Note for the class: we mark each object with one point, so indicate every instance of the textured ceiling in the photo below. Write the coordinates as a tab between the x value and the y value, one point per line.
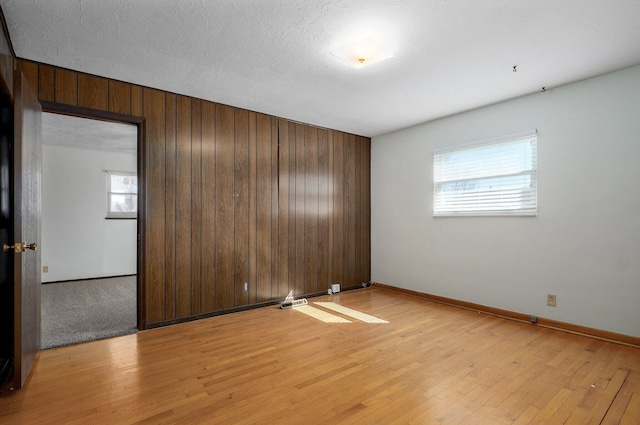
274	56
82	133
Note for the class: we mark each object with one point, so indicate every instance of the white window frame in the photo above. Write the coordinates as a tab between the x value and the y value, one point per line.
503	164
119	214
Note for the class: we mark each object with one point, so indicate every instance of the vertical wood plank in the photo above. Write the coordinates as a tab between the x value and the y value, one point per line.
120	97
93	92
170	205
293	272
196	202
283	208
66	87
311	210
253	208
299	246
136	101
331	213
241	206
208	206
46	86
358	224
351	212
224	230
273	181
339	223
324	197
30	71
264	207
154	110
183	207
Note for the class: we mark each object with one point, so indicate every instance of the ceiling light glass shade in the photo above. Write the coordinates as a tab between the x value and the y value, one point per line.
362	53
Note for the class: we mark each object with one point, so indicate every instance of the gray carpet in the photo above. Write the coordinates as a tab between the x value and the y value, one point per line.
86	310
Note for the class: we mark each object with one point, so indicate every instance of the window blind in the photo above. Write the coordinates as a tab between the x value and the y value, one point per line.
491	177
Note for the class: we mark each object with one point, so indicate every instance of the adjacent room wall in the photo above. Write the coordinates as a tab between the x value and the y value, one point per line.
77	241
584	245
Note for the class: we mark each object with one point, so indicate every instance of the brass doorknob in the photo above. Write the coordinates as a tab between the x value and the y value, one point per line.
19	247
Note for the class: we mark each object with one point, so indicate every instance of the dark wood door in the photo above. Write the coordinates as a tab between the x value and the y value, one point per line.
6	234
27	167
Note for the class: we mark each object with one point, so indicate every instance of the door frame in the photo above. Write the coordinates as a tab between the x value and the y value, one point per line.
140	123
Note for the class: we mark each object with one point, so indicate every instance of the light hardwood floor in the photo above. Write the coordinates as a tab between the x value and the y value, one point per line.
430	364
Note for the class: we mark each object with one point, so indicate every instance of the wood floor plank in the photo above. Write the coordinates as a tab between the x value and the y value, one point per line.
624	409
431	364
632	413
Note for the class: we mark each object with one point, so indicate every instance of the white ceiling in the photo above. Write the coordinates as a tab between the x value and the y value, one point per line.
273	56
82	133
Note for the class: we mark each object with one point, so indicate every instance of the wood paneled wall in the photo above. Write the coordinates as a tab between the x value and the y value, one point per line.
233	197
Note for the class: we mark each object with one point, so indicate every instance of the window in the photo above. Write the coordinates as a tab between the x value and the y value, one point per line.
492	177
122	194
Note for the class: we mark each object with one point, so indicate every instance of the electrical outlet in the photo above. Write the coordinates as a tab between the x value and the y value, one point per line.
551	300
45	269
246	286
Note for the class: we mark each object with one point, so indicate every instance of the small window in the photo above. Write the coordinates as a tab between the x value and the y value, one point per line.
492	177
122	194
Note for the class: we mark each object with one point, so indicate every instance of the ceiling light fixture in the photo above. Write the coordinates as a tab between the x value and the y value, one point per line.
363	53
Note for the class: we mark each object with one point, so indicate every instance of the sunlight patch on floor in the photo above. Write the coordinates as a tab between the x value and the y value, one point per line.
321	315
350	312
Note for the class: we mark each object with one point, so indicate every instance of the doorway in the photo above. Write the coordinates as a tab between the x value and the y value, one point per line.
89	258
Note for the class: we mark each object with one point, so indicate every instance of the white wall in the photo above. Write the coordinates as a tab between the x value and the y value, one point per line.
584	245
77	241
